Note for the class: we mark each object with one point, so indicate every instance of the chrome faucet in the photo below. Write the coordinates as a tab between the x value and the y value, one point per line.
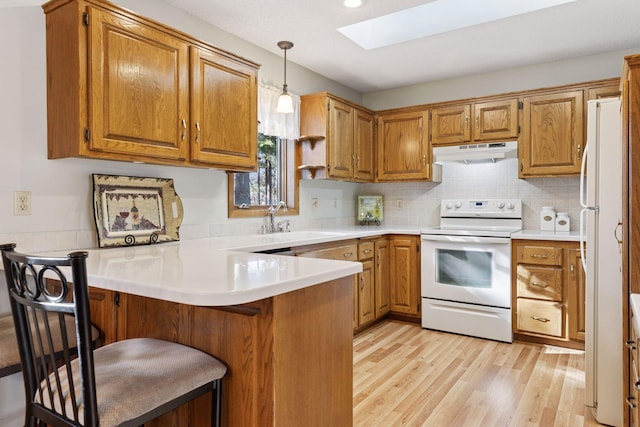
272	213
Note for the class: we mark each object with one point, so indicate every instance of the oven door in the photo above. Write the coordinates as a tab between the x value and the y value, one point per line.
468	269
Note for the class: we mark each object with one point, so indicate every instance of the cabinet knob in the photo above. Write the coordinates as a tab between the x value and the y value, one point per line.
630	344
631	401
197	132
184	129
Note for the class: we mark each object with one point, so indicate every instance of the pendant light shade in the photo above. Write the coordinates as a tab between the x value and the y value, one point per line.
285	102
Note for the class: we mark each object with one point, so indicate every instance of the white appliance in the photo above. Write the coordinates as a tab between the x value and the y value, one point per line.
601	200
466	268
470	152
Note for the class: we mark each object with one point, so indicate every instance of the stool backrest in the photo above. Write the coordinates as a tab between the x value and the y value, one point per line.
40	287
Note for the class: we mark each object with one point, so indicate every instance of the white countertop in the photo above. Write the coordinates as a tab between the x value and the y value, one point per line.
570	236
223	270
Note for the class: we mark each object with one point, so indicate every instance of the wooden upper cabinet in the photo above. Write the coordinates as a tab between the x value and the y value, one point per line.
552	139
341	131
480	121
337	139
451	124
363	146
123	87
403	148
606	91
219	86
138	89
495	120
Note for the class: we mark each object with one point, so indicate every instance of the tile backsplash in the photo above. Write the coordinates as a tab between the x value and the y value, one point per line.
421	201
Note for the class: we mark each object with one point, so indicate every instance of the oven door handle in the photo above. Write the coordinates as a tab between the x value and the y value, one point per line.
466	239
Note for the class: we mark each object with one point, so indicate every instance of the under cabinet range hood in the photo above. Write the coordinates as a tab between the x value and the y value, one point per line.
485	151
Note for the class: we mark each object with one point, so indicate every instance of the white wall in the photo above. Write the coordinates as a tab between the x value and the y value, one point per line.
575	70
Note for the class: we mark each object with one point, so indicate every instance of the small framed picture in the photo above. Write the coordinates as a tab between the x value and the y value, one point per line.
135	210
370	209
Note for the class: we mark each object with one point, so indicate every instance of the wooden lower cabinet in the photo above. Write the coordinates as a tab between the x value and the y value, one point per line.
404	272
381	278
634	376
548	285
276	374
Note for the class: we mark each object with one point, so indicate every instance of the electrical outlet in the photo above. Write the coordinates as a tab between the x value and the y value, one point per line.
22	203
399	203
314	202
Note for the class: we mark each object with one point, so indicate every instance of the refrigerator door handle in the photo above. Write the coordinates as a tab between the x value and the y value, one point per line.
615	234
583	176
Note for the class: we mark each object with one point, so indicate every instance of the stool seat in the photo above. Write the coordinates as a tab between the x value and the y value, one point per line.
9	355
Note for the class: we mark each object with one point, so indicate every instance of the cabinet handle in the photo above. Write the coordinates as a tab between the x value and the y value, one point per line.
631	401
539	285
541	319
184	129
636	385
361	283
366	251
579	151
615	233
348	254
477	121
630	344
466	121
541	256
197	132
424	159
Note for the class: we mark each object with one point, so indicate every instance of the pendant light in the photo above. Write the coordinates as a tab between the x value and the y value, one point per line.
285	103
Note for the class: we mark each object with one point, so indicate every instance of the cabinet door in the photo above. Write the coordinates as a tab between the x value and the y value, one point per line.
138	85
224	112
381	277
366	301
340	148
404	273
403	151
363	146
576	296
552	135
495	120
451	124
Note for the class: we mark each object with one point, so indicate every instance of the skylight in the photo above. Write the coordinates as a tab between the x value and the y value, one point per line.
436	17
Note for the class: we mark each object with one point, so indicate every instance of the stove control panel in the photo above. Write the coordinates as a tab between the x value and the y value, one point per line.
484	208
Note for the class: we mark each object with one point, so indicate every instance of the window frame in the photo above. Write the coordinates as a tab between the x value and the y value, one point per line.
291	186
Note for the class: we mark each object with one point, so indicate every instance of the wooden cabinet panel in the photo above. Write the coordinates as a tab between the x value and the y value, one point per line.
340	148
539	282
363	146
576	296
607	91
403	149
451	124
346	252
404	270
366	296
552	139
545	255
223	111
495	120
381	278
139	89
540	317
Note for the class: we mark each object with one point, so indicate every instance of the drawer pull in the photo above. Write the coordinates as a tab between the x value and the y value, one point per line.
630	344
348	254
636	385
631	401
541	256
539	285
366	251
541	319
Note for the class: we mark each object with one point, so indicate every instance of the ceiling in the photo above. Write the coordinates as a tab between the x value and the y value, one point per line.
581	28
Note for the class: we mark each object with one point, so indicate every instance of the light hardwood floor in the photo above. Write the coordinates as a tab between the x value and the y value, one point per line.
408	376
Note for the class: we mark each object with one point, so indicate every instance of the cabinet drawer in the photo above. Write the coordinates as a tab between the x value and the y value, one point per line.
539	282
540	317
344	252
543	255
365	250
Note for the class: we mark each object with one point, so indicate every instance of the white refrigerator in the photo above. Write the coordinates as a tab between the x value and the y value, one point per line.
600	226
